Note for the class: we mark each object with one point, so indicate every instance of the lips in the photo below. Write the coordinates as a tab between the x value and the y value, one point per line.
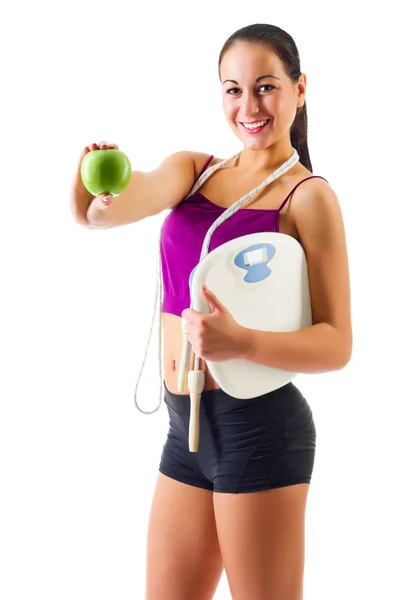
256	129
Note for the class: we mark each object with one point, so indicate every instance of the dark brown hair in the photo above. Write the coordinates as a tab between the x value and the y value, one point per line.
280	42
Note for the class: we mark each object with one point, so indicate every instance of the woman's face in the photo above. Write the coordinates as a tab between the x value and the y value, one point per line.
259	100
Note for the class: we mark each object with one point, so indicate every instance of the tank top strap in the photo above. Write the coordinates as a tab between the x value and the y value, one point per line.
299	183
206	165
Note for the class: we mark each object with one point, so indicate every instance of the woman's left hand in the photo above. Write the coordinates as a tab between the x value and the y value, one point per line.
216	337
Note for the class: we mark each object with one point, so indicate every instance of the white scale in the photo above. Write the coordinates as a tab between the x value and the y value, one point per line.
262	280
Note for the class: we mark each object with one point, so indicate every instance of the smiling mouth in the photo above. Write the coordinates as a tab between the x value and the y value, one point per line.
256	126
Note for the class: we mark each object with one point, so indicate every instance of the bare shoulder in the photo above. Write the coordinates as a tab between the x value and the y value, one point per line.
315	208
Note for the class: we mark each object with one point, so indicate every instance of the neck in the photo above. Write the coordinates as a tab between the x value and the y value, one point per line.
269	159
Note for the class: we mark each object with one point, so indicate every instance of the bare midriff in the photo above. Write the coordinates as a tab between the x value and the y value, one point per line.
172	334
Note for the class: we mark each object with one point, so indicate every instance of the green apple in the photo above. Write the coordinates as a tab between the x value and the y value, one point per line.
105	172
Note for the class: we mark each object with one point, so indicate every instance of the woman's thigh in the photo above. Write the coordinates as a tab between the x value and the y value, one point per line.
184	561
261	537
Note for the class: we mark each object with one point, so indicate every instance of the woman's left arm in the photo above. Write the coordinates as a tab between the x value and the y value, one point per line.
327	344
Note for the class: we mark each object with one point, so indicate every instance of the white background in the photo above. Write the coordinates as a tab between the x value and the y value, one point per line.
78	462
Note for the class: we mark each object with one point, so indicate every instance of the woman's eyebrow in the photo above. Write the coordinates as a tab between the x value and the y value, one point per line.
257	79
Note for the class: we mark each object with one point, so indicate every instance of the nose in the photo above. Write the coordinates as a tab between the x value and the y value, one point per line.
249	105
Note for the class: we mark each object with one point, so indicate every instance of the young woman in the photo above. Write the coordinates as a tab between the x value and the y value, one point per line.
239	503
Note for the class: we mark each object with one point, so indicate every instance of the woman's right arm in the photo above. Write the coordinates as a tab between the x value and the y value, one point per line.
147	194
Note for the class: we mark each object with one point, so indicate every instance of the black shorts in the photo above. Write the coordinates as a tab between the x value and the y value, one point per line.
245	445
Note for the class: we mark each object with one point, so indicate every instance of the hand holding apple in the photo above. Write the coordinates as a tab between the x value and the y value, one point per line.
84	193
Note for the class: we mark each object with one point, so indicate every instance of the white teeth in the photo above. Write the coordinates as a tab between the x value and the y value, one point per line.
255	125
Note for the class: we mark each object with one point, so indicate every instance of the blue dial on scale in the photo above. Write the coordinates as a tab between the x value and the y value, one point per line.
255	260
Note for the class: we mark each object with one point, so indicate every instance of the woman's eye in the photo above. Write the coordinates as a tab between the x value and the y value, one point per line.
270	87
232	90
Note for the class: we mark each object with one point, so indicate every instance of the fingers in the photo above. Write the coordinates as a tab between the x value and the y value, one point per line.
96	214
106	199
193	321
188	314
102	146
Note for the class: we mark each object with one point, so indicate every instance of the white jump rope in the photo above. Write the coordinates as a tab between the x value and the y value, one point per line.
196	377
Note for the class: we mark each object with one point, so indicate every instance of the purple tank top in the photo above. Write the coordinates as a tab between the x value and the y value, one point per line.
184	231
